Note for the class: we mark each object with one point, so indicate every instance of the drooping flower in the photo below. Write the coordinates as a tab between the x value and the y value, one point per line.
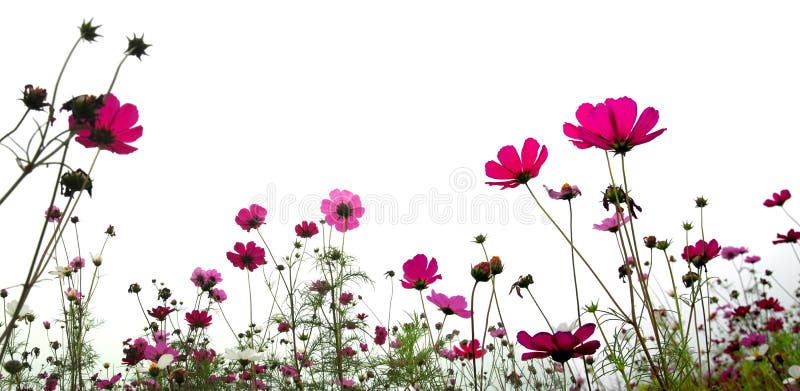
251	218
612	125
612	224
778	198
701	252
567	192
514	169
250	256
456	305
160	312
418	273
198	319
306	229
113	128
469	350
342	210
561	346
791	237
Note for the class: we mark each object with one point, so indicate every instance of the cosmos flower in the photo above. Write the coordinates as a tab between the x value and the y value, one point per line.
251	218
342	210
418	273
561	346
456	305
248	256
514	169
778	198
113	127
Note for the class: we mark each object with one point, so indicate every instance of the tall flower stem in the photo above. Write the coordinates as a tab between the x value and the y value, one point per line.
789	216
472	328
427	322
575	284
250	326
549	326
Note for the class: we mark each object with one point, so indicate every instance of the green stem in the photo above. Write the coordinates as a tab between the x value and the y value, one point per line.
472	328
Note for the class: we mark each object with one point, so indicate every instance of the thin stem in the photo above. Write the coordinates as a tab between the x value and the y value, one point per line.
789	216
552	330
472	329
116	73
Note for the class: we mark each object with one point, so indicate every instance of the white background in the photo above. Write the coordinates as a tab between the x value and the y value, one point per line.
403	103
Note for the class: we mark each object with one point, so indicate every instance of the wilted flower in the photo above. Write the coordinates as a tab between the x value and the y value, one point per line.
75	181
522	283
34	98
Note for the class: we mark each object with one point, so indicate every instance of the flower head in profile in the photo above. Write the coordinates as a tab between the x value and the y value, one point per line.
108	384
306	229
469	350
514	169
701	252
113	128
612	126
456	305
251	217
791	237
778	199
731	252
53	214
248	256
342	210
752	259
218	295
418	273
160	312
612	224
561	346
198	319
567	192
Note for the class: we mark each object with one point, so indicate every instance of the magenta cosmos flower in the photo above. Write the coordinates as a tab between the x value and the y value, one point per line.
306	229
514	169
342	210
250	256
113	129
612	224
198	319
791	237
469	350
418	273
108	384
561	346
701	252
567	192
778	199
252	217
612	125
456	305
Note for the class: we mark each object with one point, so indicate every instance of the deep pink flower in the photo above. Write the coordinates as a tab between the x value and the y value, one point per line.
514	169
778	199
418	273
113	128
134	353
469	350
342	210
218	295
77	263
252	217
567	192
205	279
741	311
612	224
701	252
250	256
561	346
322	287
791	237
53	214
73	295
288	371
306	229
108	384
345	298
774	324
769	303
198	319
204	356
612	125
731	252
154	353
380	335
283	327
450	305
363	346
753	340
498	333
160	312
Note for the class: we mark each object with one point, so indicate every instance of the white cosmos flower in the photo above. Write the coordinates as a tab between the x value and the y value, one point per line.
11	306
61	271
243	355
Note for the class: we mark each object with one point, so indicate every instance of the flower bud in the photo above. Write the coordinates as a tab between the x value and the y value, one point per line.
480	239
34	98
663	244
134	288
700	202
84	109
88	32
97	260
75	181
496	265
3	293
650	241
137	47
481	272
690	278
13	366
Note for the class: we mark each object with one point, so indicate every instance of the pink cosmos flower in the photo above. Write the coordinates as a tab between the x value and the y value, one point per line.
113	128
306	229
342	210
108	384
561	346
778	198
345	298
731	252
283	327
73	295
252	217
701	252
288	371
769	303
198	319
752	259
418	273
469	350
77	263
567	192
791	237
380	335
154	353
53	214
612	126
218	295
753	340
498	333
612	224
514	169
160	312
450	305
205	279
250	256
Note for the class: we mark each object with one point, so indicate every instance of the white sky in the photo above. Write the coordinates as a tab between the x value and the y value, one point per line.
403	103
